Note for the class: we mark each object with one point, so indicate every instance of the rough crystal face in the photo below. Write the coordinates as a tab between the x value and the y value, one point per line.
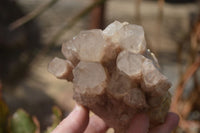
89	78
132	38
113	75
157	113
130	64
135	98
153	81
128	36
61	68
119	85
70	50
86	46
111	31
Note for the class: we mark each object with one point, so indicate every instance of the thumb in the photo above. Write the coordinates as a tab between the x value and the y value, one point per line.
139	124
76	121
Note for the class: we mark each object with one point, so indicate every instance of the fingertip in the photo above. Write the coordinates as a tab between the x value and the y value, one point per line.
139	124
172	120
96	125
75	122
173	116
79	107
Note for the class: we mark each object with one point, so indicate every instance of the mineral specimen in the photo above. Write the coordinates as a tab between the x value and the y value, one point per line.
113	76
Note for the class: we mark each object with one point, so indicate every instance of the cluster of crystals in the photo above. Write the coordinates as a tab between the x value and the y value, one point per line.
113	75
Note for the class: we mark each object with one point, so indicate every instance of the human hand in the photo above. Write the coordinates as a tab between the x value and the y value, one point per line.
78	122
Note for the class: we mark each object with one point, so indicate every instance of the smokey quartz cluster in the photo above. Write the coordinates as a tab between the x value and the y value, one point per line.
114	75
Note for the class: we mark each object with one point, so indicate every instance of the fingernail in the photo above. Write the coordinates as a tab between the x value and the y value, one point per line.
78	107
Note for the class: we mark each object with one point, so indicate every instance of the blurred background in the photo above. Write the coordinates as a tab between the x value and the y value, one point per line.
31	34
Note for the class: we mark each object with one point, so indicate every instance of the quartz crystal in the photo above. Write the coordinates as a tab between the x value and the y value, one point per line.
130	64
61	68
130	37
153	81
89	78
113	76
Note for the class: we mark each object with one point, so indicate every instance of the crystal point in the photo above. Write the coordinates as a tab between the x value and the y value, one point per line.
61	68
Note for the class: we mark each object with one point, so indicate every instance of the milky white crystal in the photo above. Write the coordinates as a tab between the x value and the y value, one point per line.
113	28
130	37
130	64
61	68
86	46
89	77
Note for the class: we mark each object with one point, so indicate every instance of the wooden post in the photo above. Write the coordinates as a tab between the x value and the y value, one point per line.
97	17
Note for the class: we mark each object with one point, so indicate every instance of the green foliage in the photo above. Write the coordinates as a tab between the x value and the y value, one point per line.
3	116
21	122
57	116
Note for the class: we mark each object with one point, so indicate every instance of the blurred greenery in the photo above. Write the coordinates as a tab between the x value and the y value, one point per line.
21	122
57	116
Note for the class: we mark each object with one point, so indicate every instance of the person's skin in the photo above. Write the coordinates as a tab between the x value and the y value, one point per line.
78	121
